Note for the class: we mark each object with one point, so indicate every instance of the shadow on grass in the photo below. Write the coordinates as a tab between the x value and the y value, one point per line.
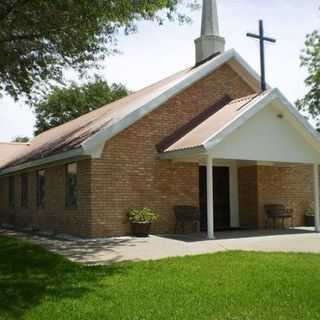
105	251
29	273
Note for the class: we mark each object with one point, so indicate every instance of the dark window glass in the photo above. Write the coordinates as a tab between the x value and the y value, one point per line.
71	185
24	190
12	192
40	188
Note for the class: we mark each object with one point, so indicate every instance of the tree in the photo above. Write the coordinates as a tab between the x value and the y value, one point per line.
310	59
38	38
21	139
65	104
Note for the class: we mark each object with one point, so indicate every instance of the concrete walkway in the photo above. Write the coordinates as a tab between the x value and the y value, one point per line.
110	250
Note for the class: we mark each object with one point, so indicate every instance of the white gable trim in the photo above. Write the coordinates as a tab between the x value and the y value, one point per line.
299	117
91	144
253	108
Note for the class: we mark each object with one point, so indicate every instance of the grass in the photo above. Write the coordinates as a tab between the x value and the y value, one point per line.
36	284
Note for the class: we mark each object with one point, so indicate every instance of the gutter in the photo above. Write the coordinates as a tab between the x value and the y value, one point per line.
183	153
79	152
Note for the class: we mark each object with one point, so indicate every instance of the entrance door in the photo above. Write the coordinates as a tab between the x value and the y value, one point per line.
221	197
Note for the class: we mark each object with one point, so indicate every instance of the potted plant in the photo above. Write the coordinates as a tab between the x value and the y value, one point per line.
141	220
309	217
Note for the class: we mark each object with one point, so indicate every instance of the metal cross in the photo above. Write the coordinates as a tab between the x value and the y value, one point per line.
262	39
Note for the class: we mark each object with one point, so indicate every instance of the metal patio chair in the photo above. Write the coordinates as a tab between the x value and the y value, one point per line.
276	212
187	215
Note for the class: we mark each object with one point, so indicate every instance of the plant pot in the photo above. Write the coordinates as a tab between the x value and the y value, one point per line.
309	220
140	229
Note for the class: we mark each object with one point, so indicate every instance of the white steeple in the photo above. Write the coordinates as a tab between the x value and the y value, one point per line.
210	42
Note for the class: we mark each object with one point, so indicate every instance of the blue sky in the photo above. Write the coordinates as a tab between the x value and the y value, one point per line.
158	51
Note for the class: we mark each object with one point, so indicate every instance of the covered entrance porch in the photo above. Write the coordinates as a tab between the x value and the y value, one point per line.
252	153
241	190
253	185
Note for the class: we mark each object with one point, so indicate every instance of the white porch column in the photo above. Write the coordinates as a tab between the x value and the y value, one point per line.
210	220
316	197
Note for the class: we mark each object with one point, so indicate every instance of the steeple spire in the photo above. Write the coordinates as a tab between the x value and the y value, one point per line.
209	23
210	41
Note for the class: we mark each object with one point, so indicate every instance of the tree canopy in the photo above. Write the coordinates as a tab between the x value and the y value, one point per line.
67	103
310	59
38	39
21	139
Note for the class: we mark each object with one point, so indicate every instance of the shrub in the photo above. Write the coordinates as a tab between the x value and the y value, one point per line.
144	215
310	210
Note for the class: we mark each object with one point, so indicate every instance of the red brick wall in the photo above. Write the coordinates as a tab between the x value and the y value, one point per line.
291	186
260	185
55	216
248	196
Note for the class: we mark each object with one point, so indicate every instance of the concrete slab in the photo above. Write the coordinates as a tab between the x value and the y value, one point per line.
110	250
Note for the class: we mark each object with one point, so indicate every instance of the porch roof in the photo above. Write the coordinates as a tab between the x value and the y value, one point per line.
198	135
260	135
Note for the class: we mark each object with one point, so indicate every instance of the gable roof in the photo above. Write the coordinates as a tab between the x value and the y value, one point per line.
82	136
218	126
10	150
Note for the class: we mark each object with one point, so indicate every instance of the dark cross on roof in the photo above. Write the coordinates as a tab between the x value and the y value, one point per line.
262	39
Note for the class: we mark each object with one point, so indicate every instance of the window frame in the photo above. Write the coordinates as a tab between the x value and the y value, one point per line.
41	189
12	192
71	195
24	183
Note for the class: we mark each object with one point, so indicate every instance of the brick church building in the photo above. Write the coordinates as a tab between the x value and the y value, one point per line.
206	136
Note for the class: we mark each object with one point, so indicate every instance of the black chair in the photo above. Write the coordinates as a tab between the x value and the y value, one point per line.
187	215
276	212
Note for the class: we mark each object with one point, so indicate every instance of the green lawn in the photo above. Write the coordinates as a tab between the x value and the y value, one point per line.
35	284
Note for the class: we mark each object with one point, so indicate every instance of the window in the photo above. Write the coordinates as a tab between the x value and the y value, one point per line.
40	188
24	190
12	192
71	185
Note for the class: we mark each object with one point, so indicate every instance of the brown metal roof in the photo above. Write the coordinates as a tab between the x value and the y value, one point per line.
209	127
182	131
11	151
70	135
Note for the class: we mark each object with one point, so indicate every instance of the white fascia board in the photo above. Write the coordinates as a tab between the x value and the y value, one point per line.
252	108
91	144
184	153
36	163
